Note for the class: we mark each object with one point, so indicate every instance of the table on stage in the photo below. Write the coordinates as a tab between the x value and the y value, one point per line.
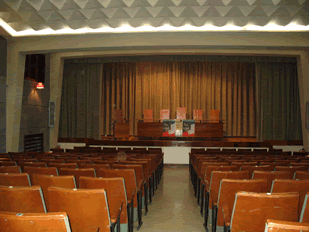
207	128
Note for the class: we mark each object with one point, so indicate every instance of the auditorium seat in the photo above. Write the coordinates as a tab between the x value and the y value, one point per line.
148	174
54	161
35	222
228	189
46	159
116	195
10	169
86	208
291	169
271	175
300	186
251	210
46	181
62	165
131	187
109	162
199	174
77	173
240	163
78	162
15	179
22	199
301	175
211	194
96	167
251	169
25	159
31	164
8	163
41	170
141	182
285	226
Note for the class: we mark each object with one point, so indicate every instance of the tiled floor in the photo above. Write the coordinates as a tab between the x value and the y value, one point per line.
174	207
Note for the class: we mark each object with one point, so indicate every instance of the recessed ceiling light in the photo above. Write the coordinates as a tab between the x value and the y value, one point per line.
126	28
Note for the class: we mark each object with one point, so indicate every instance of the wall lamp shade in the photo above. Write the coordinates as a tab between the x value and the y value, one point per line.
40	85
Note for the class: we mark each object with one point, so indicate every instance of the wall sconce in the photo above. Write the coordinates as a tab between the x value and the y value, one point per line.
40	85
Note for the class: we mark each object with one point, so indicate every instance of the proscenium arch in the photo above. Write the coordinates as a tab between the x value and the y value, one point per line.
84	46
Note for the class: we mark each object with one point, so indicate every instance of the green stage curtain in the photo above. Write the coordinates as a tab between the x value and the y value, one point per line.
80	101
225	86
278	111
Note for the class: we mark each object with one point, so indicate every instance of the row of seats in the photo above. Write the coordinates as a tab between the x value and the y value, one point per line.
121	189
228	186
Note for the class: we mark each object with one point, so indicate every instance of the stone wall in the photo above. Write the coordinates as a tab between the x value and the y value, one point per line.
34	112
3	74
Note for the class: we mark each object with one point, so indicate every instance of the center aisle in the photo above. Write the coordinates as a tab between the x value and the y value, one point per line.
174	207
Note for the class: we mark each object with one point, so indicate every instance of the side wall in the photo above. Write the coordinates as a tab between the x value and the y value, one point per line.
3	74
34	112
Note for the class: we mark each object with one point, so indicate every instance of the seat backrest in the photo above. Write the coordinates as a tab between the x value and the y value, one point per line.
22	199
251	169
271	175
285	226
96	167
10	169
291	169
85	207
145	165
256	208
8	163
301	175
127	174
31	164
228	189
210	169
78	162
77	173
304	216
46	181
202	166
62	165
40	170
217	176
110	163
138	170
115	188
34	222
15	179
300	186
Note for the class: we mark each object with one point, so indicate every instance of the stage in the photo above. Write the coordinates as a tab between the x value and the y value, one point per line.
177	152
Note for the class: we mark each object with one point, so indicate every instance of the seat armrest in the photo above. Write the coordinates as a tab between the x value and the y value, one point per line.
130	196
115	213
226	214
214	198
140	185
205	182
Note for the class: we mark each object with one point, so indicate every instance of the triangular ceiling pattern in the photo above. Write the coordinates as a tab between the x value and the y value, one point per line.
76	14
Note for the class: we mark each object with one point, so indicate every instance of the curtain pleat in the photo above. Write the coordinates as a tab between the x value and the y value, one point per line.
279	107
255	99
225	86
80	101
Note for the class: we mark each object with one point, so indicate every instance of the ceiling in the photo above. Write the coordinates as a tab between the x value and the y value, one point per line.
44	17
